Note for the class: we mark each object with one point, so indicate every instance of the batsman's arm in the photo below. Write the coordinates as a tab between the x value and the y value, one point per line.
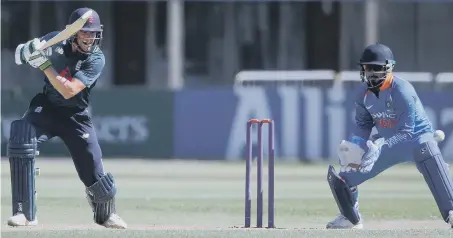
66	88
89	72
49	36
404	99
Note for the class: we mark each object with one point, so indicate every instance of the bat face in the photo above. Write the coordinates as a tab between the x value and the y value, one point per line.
68	32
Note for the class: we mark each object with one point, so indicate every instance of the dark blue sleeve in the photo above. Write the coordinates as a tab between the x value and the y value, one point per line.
90	70
49	36
363	120
404	99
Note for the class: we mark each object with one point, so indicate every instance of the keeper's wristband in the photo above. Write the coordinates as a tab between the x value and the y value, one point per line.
46	65
358	141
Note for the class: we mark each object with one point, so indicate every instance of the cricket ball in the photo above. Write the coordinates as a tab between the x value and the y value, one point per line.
439	135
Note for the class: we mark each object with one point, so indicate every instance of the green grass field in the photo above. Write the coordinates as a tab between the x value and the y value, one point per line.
206	199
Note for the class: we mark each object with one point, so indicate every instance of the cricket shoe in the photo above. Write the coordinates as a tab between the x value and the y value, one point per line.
341	222
115	222
20	220
450	218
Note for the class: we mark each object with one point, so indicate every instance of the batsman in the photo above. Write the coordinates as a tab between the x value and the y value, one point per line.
71	69
405	134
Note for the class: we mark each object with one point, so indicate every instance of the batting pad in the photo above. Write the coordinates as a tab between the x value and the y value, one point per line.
101	196
22	148
437	175
343	196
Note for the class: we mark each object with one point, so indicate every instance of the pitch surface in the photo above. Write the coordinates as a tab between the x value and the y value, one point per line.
206	199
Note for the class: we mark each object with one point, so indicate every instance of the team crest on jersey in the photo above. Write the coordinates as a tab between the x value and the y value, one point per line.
78	65
59	50
66	73
389	102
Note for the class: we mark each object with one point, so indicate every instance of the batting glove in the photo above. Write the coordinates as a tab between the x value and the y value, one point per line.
35	58
19	55
23	52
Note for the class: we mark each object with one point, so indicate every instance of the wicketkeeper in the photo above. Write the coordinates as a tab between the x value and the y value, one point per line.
405	133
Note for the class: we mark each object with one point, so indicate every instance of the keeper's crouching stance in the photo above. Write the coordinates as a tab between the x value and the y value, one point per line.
404	134
71	68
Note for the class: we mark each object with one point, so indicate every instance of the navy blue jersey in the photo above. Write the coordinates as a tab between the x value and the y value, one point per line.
397	113
87	68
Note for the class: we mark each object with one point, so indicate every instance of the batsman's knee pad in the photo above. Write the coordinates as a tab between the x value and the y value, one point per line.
437	175
343	196
22	149
101	196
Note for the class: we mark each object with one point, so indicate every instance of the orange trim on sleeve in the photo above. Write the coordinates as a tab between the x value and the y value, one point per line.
387	83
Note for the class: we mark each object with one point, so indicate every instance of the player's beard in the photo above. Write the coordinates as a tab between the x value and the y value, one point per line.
375	79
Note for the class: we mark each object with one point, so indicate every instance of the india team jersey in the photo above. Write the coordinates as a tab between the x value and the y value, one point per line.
396	112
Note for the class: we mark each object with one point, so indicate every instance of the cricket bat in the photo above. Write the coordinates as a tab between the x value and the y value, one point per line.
68	32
